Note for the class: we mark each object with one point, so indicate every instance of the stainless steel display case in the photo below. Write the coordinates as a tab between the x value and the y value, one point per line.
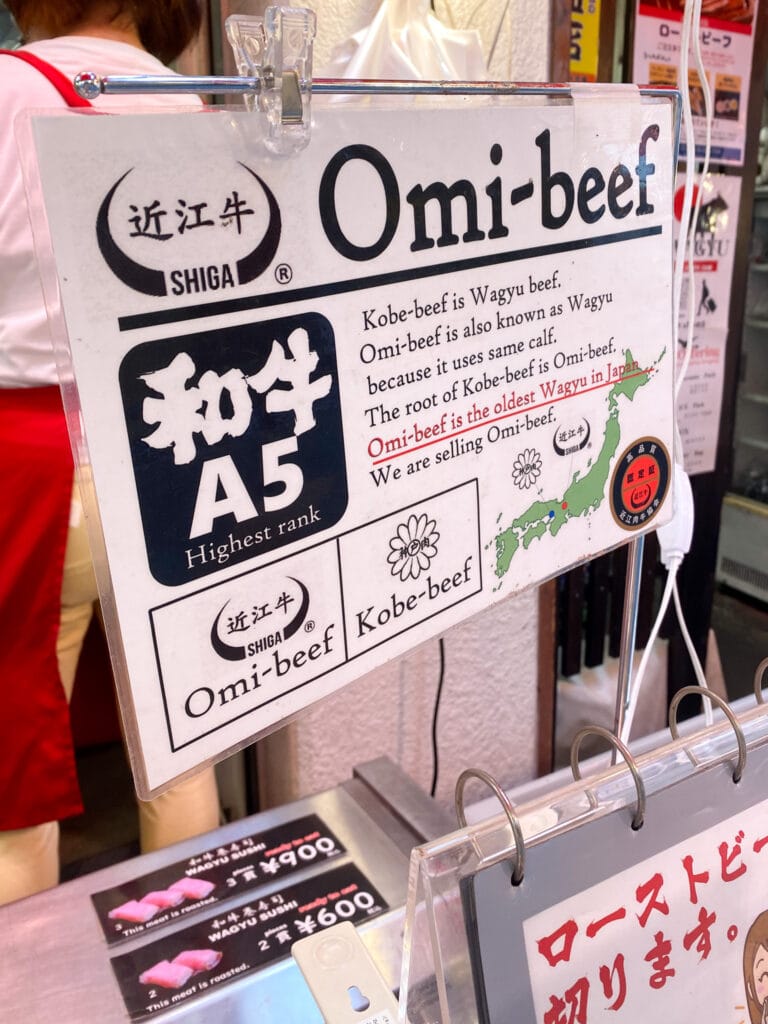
55	962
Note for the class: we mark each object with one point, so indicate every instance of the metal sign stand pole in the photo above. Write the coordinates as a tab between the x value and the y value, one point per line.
628	634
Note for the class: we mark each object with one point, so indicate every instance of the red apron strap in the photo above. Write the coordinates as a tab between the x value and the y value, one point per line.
57	78
38	778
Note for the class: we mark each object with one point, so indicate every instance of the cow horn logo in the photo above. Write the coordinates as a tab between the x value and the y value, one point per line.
238	652
578	436
150	281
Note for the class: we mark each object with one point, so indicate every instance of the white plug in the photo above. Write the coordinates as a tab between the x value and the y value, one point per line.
675	537
343	977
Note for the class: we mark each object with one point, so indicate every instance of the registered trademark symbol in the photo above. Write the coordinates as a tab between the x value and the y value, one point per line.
283	273
309	626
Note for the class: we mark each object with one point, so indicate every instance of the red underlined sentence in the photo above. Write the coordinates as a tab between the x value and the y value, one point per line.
505	416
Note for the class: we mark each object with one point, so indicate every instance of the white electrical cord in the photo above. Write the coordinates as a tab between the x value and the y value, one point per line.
631	708
687	241
675	542
698	669
690	147
687	244
675	537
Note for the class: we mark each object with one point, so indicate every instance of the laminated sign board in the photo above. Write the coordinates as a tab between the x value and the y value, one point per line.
665	923
336	402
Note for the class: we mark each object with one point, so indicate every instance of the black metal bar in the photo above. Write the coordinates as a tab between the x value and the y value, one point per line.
572	621
618	576
597	596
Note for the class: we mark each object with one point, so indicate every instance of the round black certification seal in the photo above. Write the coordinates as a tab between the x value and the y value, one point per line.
640	483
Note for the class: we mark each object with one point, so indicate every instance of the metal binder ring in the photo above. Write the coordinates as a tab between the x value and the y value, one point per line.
759	671
509	809
700	691
598	730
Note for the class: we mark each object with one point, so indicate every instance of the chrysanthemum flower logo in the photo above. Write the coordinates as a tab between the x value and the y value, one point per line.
526	469
413	547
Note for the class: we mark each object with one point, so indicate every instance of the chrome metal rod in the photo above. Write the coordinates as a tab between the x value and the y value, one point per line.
89	84
142	84
385	87
628	633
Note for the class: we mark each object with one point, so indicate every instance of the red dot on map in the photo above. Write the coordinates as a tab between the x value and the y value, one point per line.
564	505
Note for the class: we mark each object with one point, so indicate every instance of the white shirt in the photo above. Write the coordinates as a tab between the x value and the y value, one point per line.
26	352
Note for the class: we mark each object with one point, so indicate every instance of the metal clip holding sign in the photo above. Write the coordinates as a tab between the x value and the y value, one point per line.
274	57
283	40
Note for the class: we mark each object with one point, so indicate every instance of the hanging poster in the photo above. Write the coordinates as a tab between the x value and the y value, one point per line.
714	247
336	402
585	40
701	399
714	244
727	41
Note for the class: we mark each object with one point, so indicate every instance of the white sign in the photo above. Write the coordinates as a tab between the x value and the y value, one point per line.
701	400
338	402
714	246
681	935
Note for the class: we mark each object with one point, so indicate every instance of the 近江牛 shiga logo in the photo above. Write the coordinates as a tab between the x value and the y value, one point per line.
192	239
236	442
264	621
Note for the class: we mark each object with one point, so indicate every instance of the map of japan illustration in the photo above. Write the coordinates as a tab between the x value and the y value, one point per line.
585	493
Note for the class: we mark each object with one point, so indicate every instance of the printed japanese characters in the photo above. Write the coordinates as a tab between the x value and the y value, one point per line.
229	456
679	923
183	966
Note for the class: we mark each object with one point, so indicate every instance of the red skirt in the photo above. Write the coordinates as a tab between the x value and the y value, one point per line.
38	779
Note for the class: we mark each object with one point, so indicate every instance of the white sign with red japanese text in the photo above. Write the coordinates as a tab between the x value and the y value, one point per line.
701	399
681	936
668	922
338	402
727	41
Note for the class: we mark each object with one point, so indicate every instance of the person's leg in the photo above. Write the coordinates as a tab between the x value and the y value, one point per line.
29	861
187	809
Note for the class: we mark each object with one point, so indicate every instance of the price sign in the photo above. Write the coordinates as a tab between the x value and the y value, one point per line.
186	965
199	882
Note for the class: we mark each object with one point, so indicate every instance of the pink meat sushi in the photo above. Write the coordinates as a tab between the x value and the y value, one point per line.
164	898
166	975
134	911
193	888
199	959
